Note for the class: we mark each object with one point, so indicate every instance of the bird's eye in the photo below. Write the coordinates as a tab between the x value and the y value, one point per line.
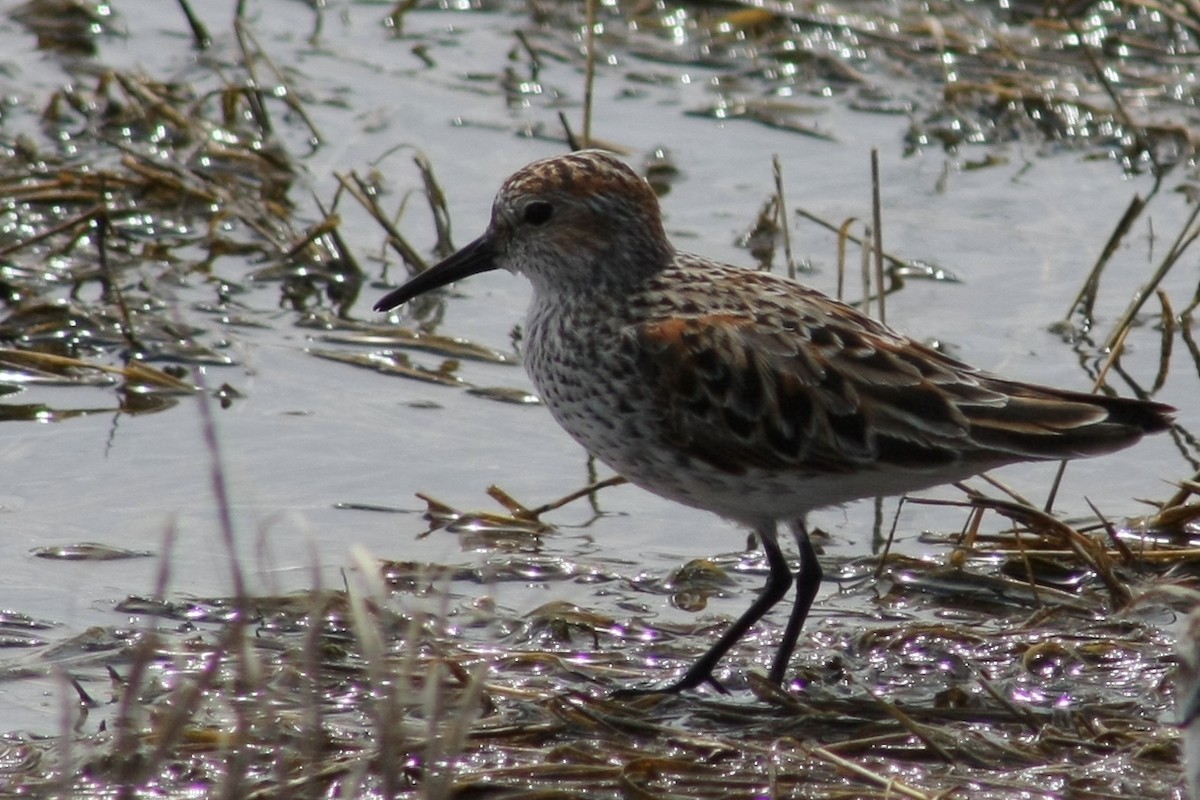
538	212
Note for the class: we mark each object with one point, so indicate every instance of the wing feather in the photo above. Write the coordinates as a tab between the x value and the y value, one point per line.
836	392
738	394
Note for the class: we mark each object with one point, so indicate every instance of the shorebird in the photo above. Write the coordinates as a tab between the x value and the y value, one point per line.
743	392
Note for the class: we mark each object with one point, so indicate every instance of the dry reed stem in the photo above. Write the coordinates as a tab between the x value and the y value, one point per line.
1085	300
877	229
589	69
357	188
782	222
859	771
1188	234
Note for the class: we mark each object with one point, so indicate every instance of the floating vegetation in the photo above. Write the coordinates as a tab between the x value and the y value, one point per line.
446	346
992	698
1115	78
89	551
774	114
393	363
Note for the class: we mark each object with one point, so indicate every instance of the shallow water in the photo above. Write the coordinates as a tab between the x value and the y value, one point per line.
309	434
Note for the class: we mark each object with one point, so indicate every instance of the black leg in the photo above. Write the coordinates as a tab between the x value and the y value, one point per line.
779	580
808	582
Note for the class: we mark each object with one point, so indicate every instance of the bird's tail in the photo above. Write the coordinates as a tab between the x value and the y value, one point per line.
1045	423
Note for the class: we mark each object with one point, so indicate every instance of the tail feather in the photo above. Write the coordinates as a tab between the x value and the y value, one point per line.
1046	423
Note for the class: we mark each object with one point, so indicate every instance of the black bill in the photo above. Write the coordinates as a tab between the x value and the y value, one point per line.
476	257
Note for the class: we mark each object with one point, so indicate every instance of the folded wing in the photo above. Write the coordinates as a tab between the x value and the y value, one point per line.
804	389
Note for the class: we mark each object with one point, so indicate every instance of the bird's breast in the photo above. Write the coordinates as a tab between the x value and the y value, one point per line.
586	371
587	379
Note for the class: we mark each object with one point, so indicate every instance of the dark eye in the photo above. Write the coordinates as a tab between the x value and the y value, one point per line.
538	212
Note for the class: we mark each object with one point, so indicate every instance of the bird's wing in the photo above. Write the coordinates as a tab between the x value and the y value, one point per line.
824	388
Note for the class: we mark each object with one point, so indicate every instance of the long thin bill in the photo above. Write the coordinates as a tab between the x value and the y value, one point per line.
478	256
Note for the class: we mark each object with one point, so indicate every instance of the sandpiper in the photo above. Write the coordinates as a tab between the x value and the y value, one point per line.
742	392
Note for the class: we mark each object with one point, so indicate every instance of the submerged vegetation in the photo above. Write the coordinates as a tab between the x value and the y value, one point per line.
1033	662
